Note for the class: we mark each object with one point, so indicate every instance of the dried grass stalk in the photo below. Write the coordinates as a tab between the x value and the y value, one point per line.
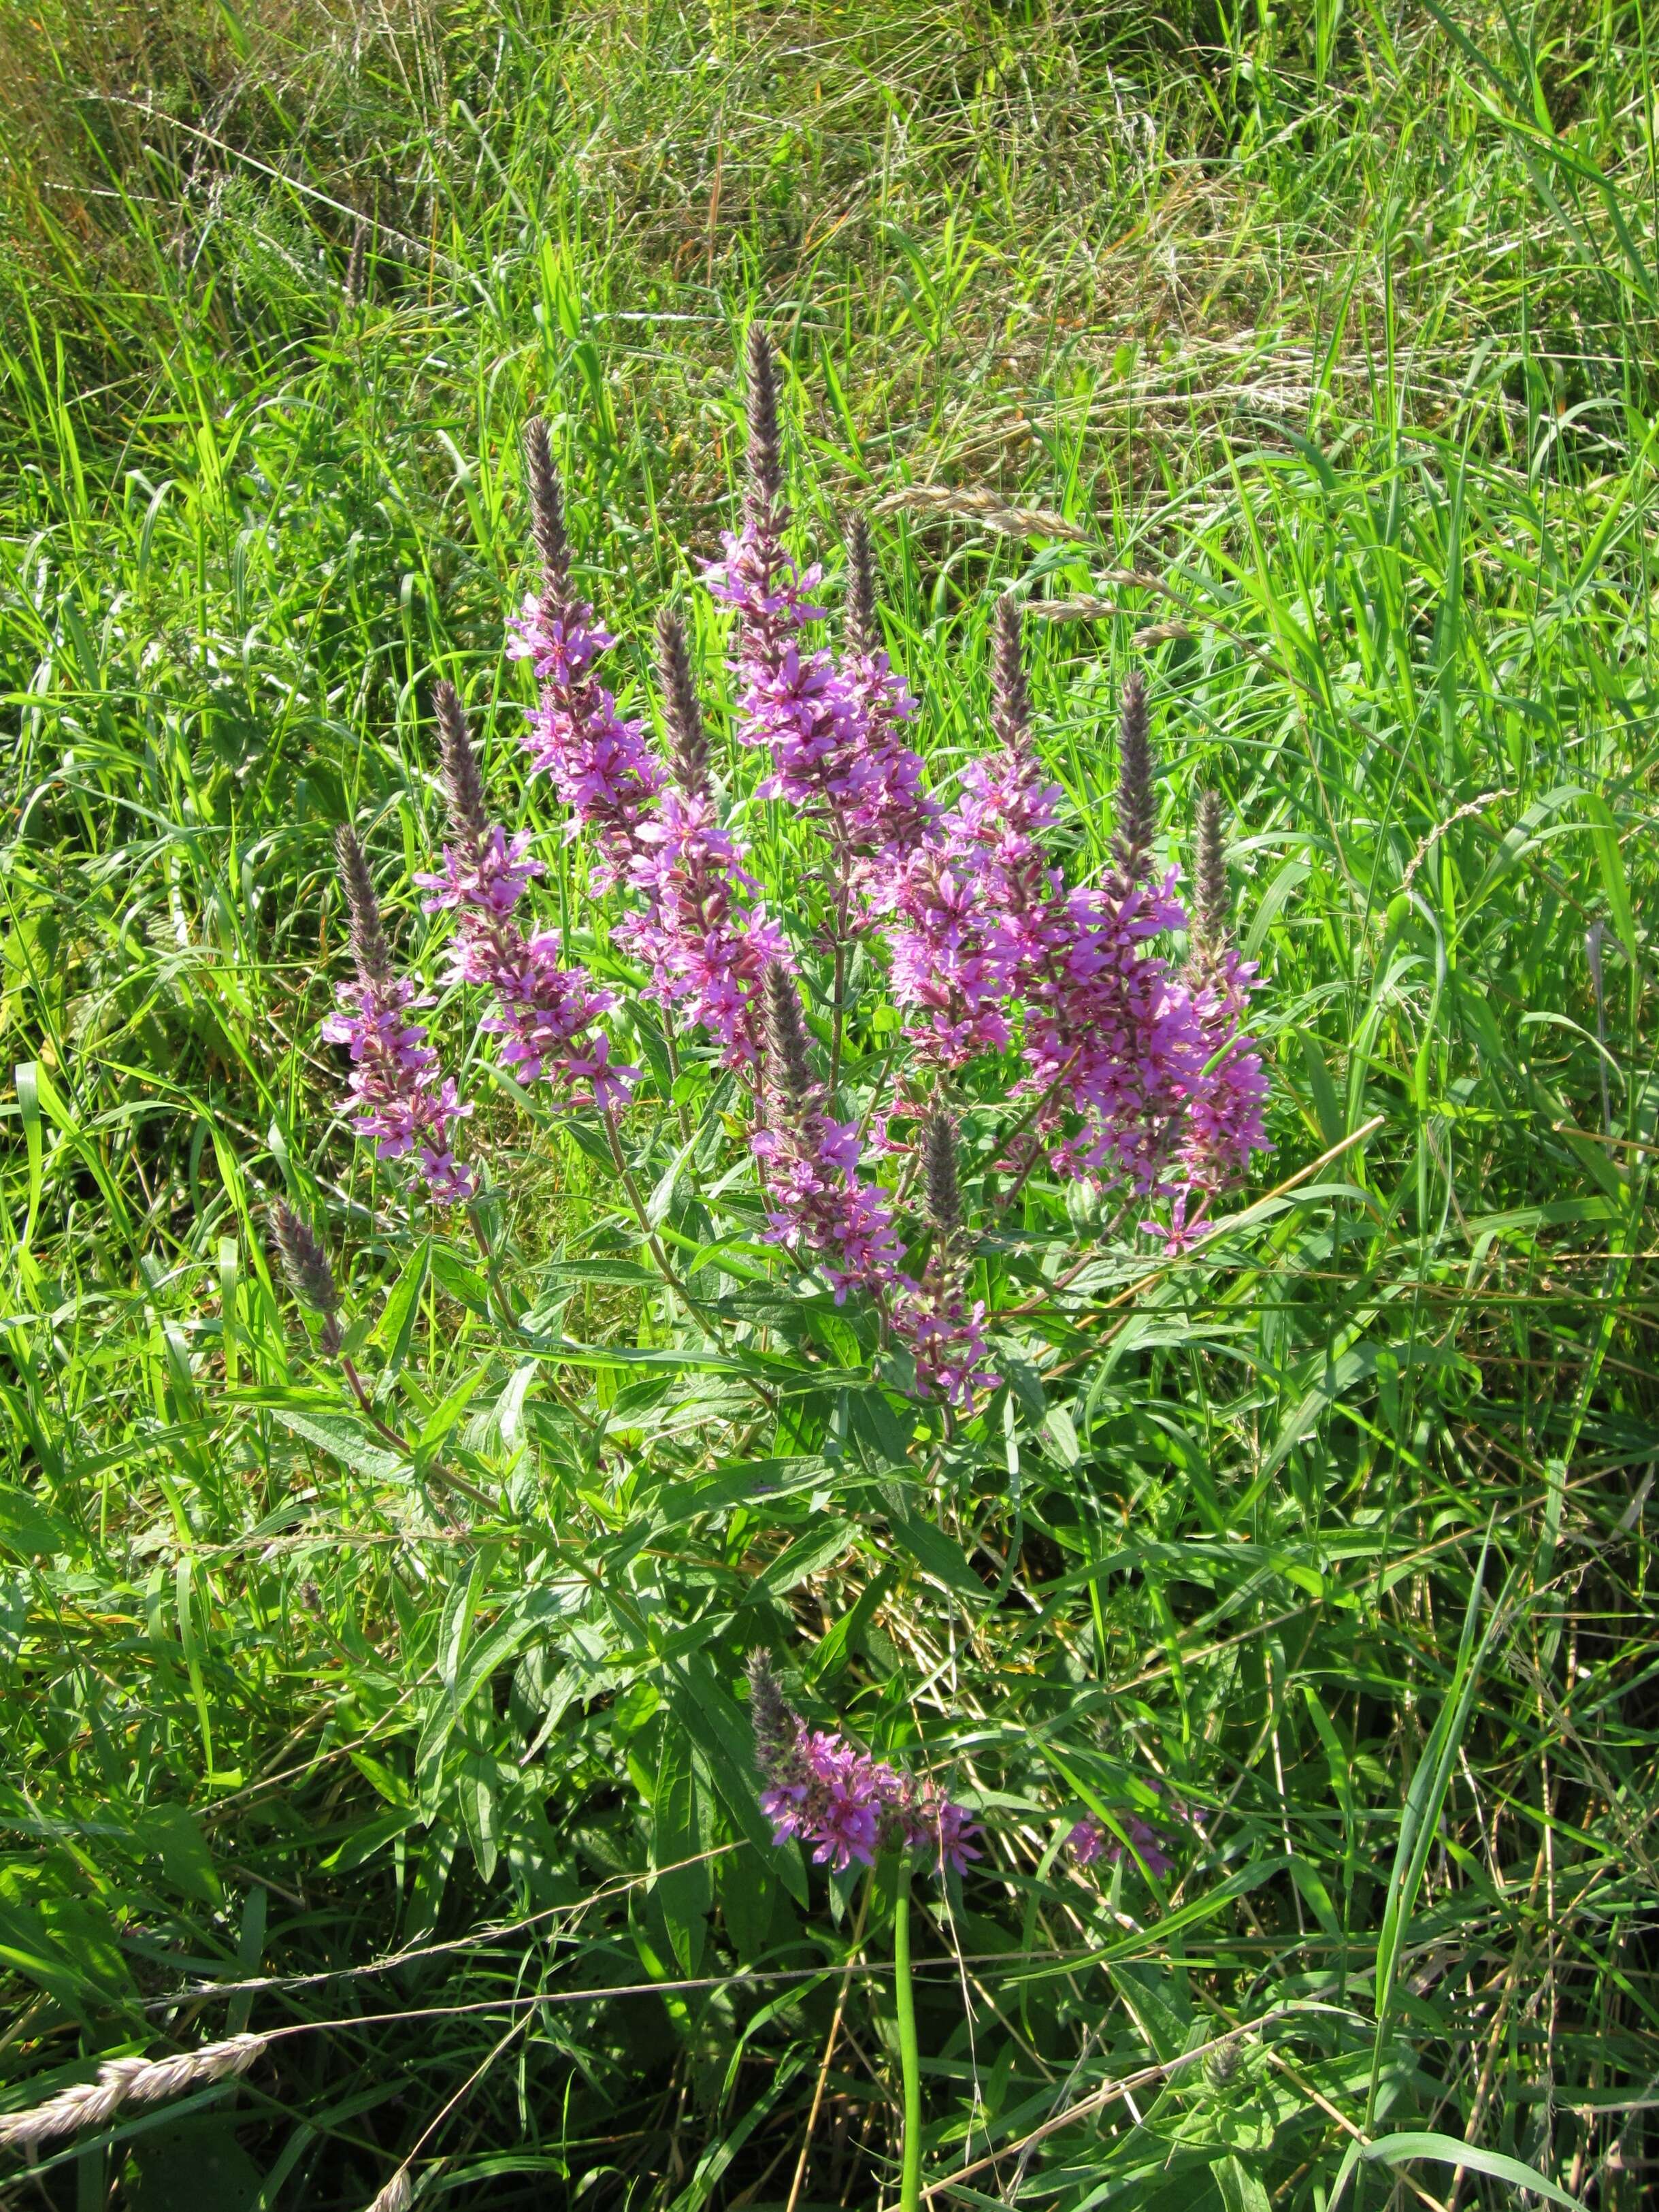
126	2081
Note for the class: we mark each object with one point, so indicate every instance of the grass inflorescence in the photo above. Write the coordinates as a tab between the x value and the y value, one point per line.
1299	363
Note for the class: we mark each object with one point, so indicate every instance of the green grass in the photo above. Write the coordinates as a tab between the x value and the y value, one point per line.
1314	354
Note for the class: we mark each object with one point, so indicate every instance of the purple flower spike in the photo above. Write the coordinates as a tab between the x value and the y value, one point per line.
833	734
821	1211
706	944
598	762
405	1106
845	1805
546	1013
699	932
1225	1123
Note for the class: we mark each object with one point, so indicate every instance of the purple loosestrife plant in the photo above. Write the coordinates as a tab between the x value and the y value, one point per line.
889	1069
970	981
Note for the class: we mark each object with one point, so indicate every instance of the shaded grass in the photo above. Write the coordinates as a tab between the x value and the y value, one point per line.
1331	333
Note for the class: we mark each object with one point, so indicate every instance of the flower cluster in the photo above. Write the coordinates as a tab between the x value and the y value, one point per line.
943	1330
1089	1841
819	1207
405	1105
1015	987
700	932
832	735
600	763
845	1805
547	1014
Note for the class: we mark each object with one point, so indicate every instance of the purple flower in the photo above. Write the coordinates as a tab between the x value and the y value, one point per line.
599	762
706	943
546	1013
950	960
1089	1840
1225	1120
819	1208
405	1106
987	936
946	1338
833	734
1112	1040
931	1822
845	1805
488	877
1086	1842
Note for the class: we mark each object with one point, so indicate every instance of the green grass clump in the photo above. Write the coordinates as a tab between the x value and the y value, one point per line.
1304	359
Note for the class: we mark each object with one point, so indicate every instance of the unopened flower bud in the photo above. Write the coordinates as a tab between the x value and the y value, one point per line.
1137	802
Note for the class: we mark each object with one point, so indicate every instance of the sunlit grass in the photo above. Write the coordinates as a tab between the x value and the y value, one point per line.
1307	367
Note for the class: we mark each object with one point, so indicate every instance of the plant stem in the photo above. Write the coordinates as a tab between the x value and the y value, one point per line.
653	1242
360	1392
843	899
910	2052
829	2053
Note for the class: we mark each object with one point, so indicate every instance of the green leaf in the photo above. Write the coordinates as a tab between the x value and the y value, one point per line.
465	1286
658	1206
341	1438
831	1654
196	2160
1421	1814
1238	2188
1446	2150
807	1556
402	1307
939	1557
680	1828
170	1833
1604	829
467	1665
28	1529
444	1416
